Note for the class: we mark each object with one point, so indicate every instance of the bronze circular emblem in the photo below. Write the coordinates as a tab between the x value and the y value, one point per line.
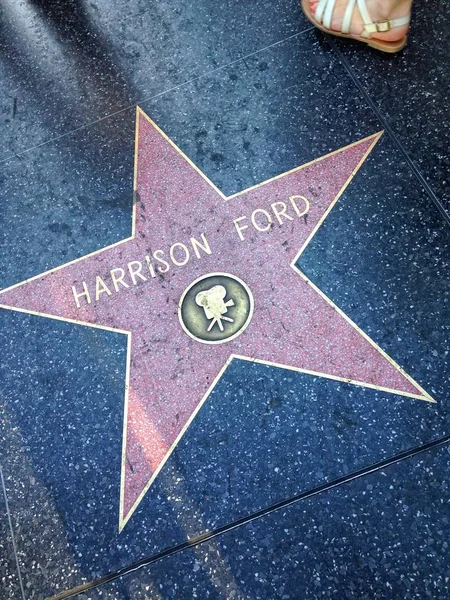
215	308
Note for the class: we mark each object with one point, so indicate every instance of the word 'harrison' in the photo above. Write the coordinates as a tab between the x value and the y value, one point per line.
179	254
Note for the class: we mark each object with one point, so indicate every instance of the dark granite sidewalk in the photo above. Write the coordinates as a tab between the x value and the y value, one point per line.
315	475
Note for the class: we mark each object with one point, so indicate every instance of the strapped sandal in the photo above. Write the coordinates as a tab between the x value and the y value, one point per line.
324	12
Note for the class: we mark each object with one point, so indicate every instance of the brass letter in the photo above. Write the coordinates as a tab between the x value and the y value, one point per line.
85	293
162	261
186	254
297	210
239	229
280	213
196	243
266	214
118	279
101	287
135	272
150	266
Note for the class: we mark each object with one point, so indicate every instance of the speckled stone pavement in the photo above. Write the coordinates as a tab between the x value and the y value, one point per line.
294	441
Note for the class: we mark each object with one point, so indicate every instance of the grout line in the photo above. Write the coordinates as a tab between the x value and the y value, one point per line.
387	127
20	153
200	539
12	533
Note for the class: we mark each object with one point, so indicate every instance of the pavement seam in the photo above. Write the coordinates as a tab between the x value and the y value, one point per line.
387	127
209	535
5	495
21	153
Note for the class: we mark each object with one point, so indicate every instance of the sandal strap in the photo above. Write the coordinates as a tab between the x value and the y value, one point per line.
348	16
383	26
324	14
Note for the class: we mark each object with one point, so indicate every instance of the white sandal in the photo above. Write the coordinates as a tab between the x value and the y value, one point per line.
324	12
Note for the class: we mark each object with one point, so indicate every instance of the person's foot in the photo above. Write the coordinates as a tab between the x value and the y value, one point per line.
379	10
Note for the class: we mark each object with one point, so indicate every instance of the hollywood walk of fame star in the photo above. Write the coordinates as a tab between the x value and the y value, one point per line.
184	229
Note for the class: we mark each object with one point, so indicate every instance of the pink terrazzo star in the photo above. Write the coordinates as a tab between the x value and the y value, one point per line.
184	228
